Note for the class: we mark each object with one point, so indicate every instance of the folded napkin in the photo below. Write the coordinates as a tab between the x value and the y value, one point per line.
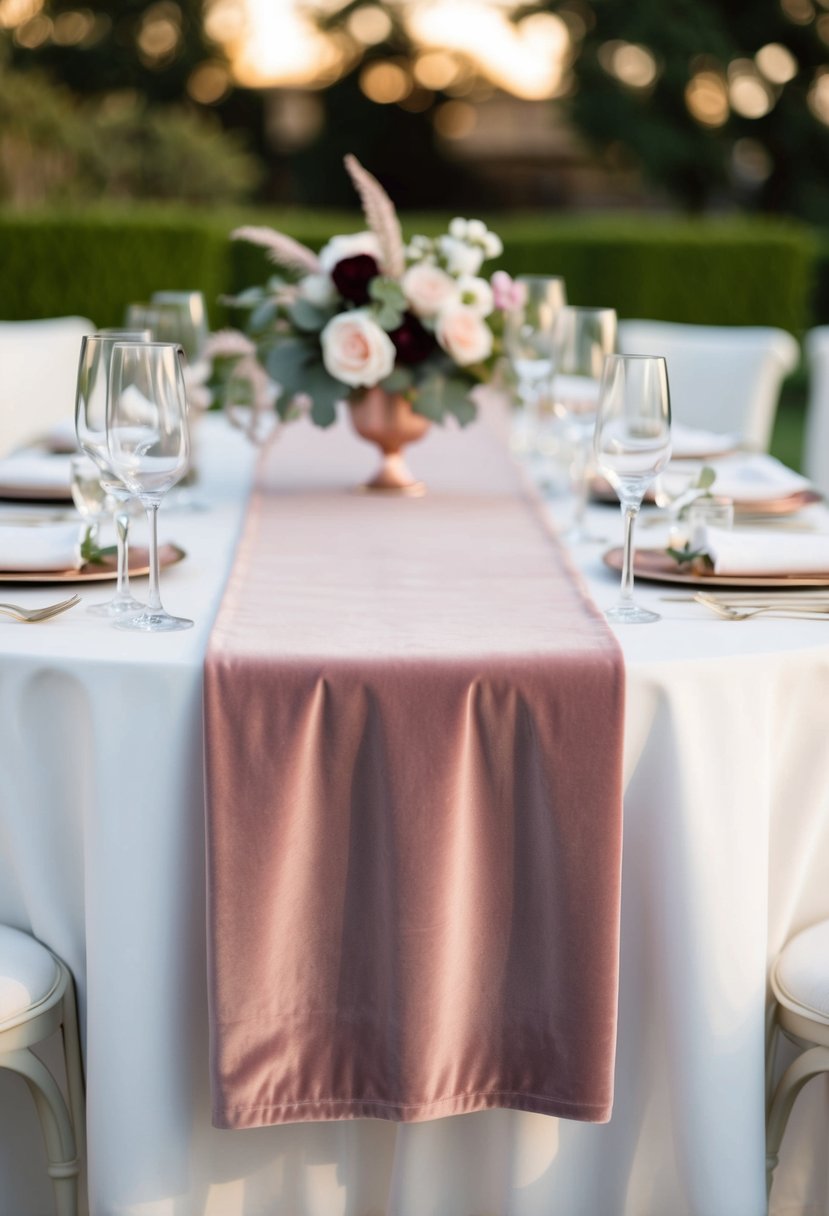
755	478
61	437
29	472
766	552
40	548
692	443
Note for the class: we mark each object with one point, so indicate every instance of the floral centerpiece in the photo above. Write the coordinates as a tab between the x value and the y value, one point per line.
415	320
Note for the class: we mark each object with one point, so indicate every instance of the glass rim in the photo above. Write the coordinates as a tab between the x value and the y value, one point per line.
619	355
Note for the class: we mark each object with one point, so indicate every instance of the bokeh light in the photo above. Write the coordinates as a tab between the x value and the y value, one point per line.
706	97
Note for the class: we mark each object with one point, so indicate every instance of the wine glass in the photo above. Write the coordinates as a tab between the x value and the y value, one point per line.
88	494
528	342
582	337
191	312
632	443
90	429
149	446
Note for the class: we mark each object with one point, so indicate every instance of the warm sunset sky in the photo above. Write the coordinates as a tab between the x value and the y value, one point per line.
274	44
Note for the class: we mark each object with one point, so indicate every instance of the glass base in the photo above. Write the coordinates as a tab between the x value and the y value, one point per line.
117	608
154	622
631	614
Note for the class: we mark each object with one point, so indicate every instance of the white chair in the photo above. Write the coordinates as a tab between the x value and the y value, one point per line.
38	374
37	997
800	985
722	378
816	433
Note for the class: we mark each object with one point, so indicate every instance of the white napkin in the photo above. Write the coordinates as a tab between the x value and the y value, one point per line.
691	443
766	552
755	478
41	548
31	471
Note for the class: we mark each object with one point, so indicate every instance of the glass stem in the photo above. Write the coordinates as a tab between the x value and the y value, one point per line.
122	530
154	599
629	512
582	463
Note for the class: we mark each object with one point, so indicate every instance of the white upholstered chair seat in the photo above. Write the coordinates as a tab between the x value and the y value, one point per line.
800	986
722	378
800	979
29	975
38	375
37	999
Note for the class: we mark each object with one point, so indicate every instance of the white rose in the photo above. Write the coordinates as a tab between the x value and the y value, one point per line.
476	294
428	289
463	335
356	350
460	257
458	228
475	230
340	247
493	246
318	290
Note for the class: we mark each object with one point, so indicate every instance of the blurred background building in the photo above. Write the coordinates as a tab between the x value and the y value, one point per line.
695	105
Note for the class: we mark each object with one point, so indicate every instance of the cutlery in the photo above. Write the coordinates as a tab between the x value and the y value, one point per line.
30	615
731	613
746	597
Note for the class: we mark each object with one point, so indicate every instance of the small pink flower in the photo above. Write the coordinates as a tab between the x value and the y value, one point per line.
507	293
228	344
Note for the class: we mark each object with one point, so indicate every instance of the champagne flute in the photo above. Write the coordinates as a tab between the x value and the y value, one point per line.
582	338
90	429
632	444
528	341
149	446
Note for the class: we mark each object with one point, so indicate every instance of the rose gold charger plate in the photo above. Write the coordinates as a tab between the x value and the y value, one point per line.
168	555
654	565
788	504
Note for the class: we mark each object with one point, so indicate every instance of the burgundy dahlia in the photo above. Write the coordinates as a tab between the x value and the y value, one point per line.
412	342
352	276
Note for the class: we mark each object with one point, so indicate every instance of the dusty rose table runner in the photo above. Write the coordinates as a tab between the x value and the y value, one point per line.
414	727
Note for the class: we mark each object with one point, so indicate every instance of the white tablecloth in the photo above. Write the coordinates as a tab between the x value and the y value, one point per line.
726	850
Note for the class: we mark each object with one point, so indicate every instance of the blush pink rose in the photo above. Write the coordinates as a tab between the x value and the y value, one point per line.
356	350
428	289
463	335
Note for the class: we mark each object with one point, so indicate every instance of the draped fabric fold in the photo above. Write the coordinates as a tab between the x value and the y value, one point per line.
414	726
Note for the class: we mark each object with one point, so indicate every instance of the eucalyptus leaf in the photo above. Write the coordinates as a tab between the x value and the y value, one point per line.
307	317
387	316
324	392
287	364
399	381
387	291
707	477
263	315
429	400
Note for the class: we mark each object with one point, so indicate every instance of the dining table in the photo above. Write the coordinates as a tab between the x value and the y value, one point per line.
725	854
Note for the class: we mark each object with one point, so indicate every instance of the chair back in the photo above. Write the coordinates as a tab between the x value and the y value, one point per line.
38	374
722	378
816	433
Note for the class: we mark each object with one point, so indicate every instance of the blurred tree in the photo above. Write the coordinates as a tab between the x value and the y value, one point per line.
379	111
53	148
158	48
716	101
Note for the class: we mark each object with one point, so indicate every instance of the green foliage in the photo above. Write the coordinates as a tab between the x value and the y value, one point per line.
774	160
93	263
54	149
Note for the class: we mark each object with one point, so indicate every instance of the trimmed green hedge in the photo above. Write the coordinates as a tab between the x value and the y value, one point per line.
727	272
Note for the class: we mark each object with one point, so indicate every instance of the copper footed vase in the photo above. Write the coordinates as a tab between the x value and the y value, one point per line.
388	420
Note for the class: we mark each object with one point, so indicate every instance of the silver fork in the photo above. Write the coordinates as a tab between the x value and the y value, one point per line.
729	613
30	615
